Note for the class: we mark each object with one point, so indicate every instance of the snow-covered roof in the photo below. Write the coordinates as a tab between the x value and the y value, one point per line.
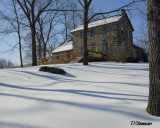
68	45
99	22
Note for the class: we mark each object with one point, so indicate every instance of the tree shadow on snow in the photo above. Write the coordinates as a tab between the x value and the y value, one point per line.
104	70
14	125
100	107
125	67
108	95
65	79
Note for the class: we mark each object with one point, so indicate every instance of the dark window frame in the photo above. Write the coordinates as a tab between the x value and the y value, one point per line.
81	35
122	30
104	30
128	33
122	20
105	46
123	45
92	33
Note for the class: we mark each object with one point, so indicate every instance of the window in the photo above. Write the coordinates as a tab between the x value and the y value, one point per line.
128	33
82	50
140	53
93	47
104	31
122	20
122	30
92	33
105	46
122	44
81	35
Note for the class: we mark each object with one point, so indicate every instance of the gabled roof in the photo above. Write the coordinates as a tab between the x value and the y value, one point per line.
130	22
66	46
99	22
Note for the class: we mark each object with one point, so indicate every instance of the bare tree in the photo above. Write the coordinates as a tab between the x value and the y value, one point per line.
153	11
85	5
46	26
15	26
18	31
69	19
75	15
66	22
33	9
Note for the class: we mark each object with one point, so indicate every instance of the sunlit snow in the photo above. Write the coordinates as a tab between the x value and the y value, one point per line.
100	95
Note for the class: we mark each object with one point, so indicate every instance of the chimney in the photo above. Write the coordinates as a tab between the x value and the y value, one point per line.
123	12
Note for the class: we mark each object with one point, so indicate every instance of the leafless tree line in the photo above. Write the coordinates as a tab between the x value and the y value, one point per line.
35	23
5	63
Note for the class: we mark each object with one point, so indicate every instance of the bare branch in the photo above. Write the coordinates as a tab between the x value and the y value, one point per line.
63	10
25	12
111	11
81	3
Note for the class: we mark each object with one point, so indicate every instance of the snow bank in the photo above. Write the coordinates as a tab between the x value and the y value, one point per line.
101	95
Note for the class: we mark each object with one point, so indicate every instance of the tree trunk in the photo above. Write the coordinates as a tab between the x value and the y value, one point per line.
39	48
34	55
44	49
85	31
153	11
33	29
20	43
20	49
66	27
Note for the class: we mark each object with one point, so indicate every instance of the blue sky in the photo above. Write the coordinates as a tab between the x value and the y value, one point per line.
100	5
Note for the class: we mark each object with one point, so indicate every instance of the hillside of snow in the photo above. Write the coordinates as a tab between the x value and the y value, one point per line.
100	95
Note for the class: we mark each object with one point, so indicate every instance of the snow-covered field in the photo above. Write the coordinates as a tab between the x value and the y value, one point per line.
101	95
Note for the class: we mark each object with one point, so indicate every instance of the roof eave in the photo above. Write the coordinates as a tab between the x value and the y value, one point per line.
97	25
62	51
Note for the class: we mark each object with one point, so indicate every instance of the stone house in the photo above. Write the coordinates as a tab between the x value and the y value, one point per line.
108	39
111	37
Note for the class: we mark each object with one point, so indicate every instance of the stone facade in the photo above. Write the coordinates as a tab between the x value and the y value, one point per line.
118	38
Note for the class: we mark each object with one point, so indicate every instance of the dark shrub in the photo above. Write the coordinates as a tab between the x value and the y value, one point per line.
57	70
52	70
44	69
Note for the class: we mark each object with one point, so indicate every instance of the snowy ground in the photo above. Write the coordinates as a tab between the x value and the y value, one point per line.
101	95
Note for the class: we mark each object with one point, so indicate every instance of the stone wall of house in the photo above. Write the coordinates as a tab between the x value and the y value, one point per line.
126	37
114	37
